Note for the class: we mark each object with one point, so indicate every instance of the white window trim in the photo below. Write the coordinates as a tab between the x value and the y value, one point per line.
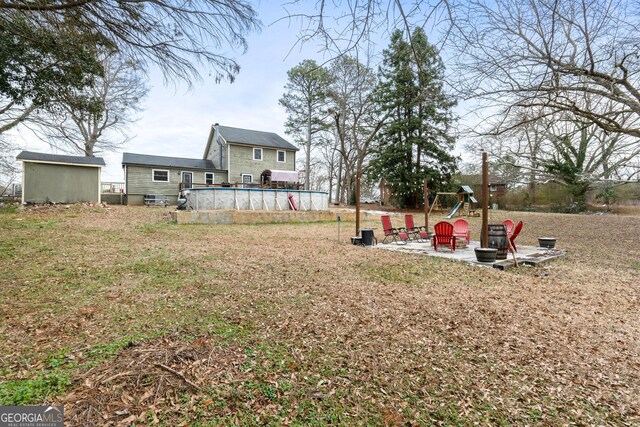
213	177
278	156
261	154
242	175
153	175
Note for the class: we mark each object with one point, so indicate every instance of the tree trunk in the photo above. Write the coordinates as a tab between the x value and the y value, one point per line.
307	173
330	184
339	182
358	176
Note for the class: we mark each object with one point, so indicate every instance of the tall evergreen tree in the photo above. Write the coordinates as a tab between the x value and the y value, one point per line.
305	102
416	141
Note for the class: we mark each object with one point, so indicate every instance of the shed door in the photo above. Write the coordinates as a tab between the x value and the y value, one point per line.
187	179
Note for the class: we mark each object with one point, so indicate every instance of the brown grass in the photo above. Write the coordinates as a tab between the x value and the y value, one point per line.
155	323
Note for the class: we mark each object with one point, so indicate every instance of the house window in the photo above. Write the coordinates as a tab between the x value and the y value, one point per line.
257	154
493	188
247	178
281	156
208	177
160	175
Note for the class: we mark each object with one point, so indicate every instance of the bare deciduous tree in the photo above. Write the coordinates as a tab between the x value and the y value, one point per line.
565	149
94	120
547	56
330	157
356	116
9	170
344	27
175	36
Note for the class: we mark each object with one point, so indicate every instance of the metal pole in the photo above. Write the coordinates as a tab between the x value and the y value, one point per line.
339	219
426	206
484	240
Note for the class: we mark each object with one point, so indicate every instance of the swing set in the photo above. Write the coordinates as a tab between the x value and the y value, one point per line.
465	202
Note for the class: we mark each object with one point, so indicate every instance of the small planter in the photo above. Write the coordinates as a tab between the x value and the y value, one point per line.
486	254
547	242
357	240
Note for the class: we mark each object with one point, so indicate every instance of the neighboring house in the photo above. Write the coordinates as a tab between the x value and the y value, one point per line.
146	175
497	186
245	154
232	155
59	178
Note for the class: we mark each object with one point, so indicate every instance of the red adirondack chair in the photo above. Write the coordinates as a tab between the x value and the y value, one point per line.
512	237
391	232
418	233
461	229
443	235
509	224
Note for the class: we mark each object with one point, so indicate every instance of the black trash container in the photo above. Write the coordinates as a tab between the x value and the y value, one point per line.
367	236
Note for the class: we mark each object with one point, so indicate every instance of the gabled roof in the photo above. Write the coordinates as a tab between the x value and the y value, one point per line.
250	137
465	189
496	180
167	162
60	158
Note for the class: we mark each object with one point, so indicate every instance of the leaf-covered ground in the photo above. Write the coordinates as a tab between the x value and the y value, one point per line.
128	319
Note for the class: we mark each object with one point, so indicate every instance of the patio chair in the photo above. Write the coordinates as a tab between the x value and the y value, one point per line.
461	229
509	225
397	235
512	237
418	233
443	235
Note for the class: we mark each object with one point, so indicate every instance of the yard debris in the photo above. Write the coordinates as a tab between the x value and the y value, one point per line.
134	382
280	324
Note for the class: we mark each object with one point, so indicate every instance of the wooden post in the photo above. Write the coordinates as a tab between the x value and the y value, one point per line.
426	206
484	239
358	203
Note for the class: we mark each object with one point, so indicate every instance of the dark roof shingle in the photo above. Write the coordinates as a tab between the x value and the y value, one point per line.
168	162
60	158
255	137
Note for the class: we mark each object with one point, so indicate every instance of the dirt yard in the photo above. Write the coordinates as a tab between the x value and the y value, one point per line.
128	319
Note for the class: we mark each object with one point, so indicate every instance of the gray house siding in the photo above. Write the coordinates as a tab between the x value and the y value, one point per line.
45	182
140	181
242	162
213	154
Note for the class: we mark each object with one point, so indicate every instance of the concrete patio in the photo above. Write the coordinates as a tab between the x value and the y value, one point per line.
526	255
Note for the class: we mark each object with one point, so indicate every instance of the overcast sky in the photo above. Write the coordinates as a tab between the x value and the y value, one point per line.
175	121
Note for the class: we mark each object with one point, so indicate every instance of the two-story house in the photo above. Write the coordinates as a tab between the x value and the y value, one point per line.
232	156
244	154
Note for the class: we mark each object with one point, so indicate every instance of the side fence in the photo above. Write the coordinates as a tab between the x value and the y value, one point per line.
112	192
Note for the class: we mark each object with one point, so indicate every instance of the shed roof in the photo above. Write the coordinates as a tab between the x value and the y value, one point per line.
167	162
60	158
